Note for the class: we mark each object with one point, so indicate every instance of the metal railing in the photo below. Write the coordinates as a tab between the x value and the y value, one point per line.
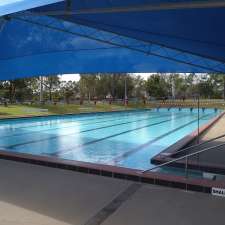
186	157
197	145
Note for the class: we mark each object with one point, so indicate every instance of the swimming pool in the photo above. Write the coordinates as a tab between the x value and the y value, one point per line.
127	139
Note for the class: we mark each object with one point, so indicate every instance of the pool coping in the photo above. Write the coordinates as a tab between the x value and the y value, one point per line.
191	184
175	181
168	153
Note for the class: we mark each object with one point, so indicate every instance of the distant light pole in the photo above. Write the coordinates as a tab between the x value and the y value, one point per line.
173	89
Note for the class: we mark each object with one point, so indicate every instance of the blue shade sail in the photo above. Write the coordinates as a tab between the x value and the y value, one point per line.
113	36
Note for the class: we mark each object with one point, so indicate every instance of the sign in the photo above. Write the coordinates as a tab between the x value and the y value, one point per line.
218	192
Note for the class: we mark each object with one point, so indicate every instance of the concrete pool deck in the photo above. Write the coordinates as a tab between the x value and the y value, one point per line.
215	130
37	195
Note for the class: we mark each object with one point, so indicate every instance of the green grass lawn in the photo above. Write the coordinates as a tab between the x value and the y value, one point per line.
20	110
72	108
36	110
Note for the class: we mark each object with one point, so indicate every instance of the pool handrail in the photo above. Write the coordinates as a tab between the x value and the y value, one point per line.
197	145
183	157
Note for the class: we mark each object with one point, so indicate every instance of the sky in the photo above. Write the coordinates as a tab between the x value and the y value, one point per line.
70	77
11	6
24	2
76	77
6	2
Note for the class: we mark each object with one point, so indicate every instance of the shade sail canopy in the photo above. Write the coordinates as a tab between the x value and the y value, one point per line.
48	37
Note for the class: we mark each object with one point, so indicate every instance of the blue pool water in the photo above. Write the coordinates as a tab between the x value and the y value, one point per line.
128	139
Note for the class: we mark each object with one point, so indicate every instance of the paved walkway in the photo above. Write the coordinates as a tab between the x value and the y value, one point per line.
217	129
36	195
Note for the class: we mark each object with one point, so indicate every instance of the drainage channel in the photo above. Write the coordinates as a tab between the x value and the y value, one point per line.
115	204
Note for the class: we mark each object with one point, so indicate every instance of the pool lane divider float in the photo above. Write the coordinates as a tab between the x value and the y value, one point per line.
173	150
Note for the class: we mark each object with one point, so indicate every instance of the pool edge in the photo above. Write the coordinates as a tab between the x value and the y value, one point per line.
155	178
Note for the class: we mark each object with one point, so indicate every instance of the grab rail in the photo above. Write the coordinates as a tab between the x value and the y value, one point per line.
183	157
197	145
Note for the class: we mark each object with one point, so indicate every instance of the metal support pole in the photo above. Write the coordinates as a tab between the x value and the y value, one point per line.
186	170
224	87
198	138
125	91
41	89
186	167
198	120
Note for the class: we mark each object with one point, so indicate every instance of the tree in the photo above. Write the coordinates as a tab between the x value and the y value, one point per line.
87	85
104	85
191	82
180	85
218	83
157	86
18	90
205	86
119	85
139	89
69	89
52	84
101	85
